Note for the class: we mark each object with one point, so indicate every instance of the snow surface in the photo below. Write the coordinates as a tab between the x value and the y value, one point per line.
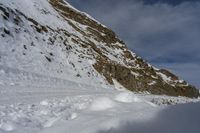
33	103
127	97
174	119
102	103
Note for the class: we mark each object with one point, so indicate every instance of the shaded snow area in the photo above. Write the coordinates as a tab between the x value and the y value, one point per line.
174	119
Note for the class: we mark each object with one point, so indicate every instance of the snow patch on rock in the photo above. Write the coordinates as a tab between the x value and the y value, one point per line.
118	86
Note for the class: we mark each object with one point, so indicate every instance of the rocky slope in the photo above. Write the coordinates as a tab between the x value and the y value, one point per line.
52	38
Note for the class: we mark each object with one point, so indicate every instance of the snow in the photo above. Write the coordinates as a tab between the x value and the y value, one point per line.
173	119
118	86
40	104
102	103
44	103
91	62
47	105
135	74
127	97
6	127
73	116
152	83
154	77
36	7
34	59
181	81
164	77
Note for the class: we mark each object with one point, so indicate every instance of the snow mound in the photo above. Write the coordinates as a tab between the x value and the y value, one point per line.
127	97
102	103
44	103
73	116
7	127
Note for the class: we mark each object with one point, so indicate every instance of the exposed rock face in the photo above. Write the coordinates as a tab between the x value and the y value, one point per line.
145	80
80	40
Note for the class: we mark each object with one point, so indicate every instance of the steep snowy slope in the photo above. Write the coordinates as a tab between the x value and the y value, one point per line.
53	39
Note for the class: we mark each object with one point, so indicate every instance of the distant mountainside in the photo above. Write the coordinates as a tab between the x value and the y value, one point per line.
52	38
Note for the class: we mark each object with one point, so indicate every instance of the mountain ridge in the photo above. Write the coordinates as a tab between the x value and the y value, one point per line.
53	38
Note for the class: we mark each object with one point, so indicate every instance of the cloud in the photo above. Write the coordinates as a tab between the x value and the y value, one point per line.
174	119
161	31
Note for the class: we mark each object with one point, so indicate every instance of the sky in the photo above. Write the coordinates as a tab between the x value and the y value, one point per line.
166	33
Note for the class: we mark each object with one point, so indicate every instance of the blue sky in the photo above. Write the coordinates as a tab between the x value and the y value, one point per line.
164	32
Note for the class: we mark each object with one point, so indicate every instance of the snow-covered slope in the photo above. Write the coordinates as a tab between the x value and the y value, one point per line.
37	41
51	38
